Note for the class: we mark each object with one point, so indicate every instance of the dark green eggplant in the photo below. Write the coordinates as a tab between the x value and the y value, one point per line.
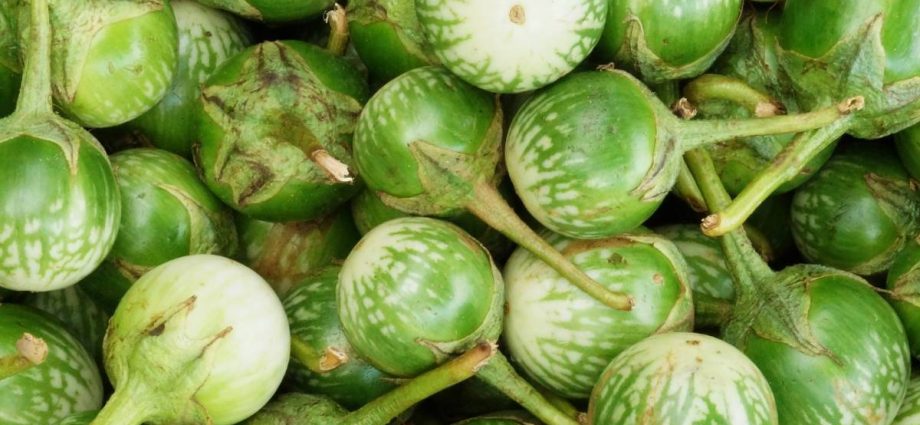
907	143
323	362
805	328
10	63
285	253
274	126
665	40
207	37
60	203
272	11
388	38
903	281
167	213
858	211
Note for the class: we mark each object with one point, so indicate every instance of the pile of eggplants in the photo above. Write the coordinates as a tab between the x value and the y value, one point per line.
436	212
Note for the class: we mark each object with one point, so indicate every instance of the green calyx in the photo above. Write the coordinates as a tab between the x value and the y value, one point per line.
113	60
207	37
388	37
62	207
286	253
272	11
858	212
322	360
663	41
284	154
551	327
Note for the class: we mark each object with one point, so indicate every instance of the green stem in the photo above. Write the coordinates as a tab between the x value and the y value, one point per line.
710	87
685	188
30	352
560	403
305	354
499	374
693	134
35	92
668	91
786	166
710	312
338	30
388	406
489	205
746	265
127	406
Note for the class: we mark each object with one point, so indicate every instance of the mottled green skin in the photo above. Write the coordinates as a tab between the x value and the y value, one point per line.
561	337
511	47
583	155
682	379
907	143
388	38
273	11
903	281
113	60
708	274
207	37
807	332
501	418
667	40
285	253
167	213
67	382
256	151
60	209
369	212
323	362
909	414
425	139
78	312
299	409
858	211
831	49
82	418
416	290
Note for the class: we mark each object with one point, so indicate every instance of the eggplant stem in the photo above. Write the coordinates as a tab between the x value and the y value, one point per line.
694	134
786	166
719	87
388	406
30	352
126	406
35	93
338	30
337	170
499	374
489	205
710	312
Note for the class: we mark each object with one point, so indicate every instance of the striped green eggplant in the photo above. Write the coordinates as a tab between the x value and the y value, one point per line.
82	418
112	60
910	410
903	281
60	209
707	271
438	153
167	213
805	328
561	337
415	292
207	37
273	155
78	312
858	211
199	339
45	373
682	378
284	253
272	11
501	418
511	47
323	362
388	37
665	40
595	154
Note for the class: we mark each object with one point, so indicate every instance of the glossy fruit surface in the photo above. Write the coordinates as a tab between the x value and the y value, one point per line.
388	37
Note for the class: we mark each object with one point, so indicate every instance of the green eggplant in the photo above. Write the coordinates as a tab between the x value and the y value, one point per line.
272	11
